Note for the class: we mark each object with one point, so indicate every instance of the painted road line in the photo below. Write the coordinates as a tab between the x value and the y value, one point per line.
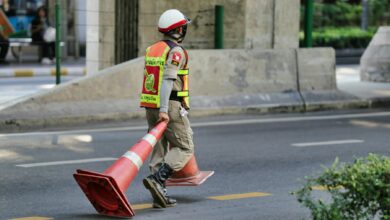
239	196
135	128
324	188
215	123
142	206
219	198
336	142
32	218
54	163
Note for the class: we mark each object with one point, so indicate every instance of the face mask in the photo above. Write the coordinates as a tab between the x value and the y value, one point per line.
180	36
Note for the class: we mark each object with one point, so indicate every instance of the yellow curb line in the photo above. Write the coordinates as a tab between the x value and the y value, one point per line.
64	72
33	72
23	73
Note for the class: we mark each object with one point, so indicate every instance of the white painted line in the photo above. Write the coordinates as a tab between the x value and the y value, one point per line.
54	163
136	128
336	142
209	124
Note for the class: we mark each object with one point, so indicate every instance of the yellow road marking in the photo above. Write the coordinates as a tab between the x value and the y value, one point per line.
23	73
239	196
149	205
323	188
220	198
33	218
142	206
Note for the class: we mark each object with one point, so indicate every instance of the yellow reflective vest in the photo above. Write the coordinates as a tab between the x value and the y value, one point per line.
155	59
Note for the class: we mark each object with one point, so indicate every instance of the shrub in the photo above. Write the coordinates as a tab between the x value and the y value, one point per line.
358	191
341	13
338	14
342	37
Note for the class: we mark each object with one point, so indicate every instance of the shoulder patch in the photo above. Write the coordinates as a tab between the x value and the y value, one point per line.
176	58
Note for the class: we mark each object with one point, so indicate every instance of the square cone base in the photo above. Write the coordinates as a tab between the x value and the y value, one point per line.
190	181
104	194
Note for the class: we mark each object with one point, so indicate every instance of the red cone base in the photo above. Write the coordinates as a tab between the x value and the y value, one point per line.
104	194
189	175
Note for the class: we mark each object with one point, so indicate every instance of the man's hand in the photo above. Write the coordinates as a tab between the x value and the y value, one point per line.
162	116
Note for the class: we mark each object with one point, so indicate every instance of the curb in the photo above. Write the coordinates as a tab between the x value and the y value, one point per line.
36	72
36	124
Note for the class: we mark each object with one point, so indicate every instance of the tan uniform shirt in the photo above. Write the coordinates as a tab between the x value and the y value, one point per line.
175	61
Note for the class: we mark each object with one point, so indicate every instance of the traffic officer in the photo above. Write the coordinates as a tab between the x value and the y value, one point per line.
165	97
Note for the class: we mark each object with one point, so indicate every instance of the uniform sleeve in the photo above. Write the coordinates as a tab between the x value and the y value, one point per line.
166	89
175	60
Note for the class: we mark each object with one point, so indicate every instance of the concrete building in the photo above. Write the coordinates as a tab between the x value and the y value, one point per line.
122	29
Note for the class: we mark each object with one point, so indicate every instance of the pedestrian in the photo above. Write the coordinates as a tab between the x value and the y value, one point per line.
39	27
165	97
4	45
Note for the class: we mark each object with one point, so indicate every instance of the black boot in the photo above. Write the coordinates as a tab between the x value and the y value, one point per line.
171	202
155	183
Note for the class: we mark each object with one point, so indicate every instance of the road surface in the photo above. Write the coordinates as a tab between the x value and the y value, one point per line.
258	161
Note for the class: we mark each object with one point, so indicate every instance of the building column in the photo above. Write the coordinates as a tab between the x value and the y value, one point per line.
272	24
100	35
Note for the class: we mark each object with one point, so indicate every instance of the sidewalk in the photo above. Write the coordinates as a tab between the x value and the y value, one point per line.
11	89
348	80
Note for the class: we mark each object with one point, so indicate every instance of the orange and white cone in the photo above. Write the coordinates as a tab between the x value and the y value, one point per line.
189	175
106	190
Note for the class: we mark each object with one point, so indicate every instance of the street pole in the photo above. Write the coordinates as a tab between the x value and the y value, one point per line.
309	8
58	42
364	24
219	13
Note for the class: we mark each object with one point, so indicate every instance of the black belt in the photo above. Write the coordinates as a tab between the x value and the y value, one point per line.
174	97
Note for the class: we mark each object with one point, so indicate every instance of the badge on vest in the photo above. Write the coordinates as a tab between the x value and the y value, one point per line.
176	58
151	80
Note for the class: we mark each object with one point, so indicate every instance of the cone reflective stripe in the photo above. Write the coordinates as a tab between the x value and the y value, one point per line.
189	175
106	190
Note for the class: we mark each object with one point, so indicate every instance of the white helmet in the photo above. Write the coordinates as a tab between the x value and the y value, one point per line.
172	19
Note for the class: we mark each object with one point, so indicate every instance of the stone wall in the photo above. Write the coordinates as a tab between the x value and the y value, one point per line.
249	24
264	24
221	81
200	34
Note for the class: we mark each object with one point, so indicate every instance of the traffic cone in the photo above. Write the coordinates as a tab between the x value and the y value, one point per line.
189	175
106	190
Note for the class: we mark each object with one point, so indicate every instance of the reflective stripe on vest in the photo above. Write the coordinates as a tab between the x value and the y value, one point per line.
184	93
155	59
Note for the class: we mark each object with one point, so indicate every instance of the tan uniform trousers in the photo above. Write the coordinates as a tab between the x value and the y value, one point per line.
179	136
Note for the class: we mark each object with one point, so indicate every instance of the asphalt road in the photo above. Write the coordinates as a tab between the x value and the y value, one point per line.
265	156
